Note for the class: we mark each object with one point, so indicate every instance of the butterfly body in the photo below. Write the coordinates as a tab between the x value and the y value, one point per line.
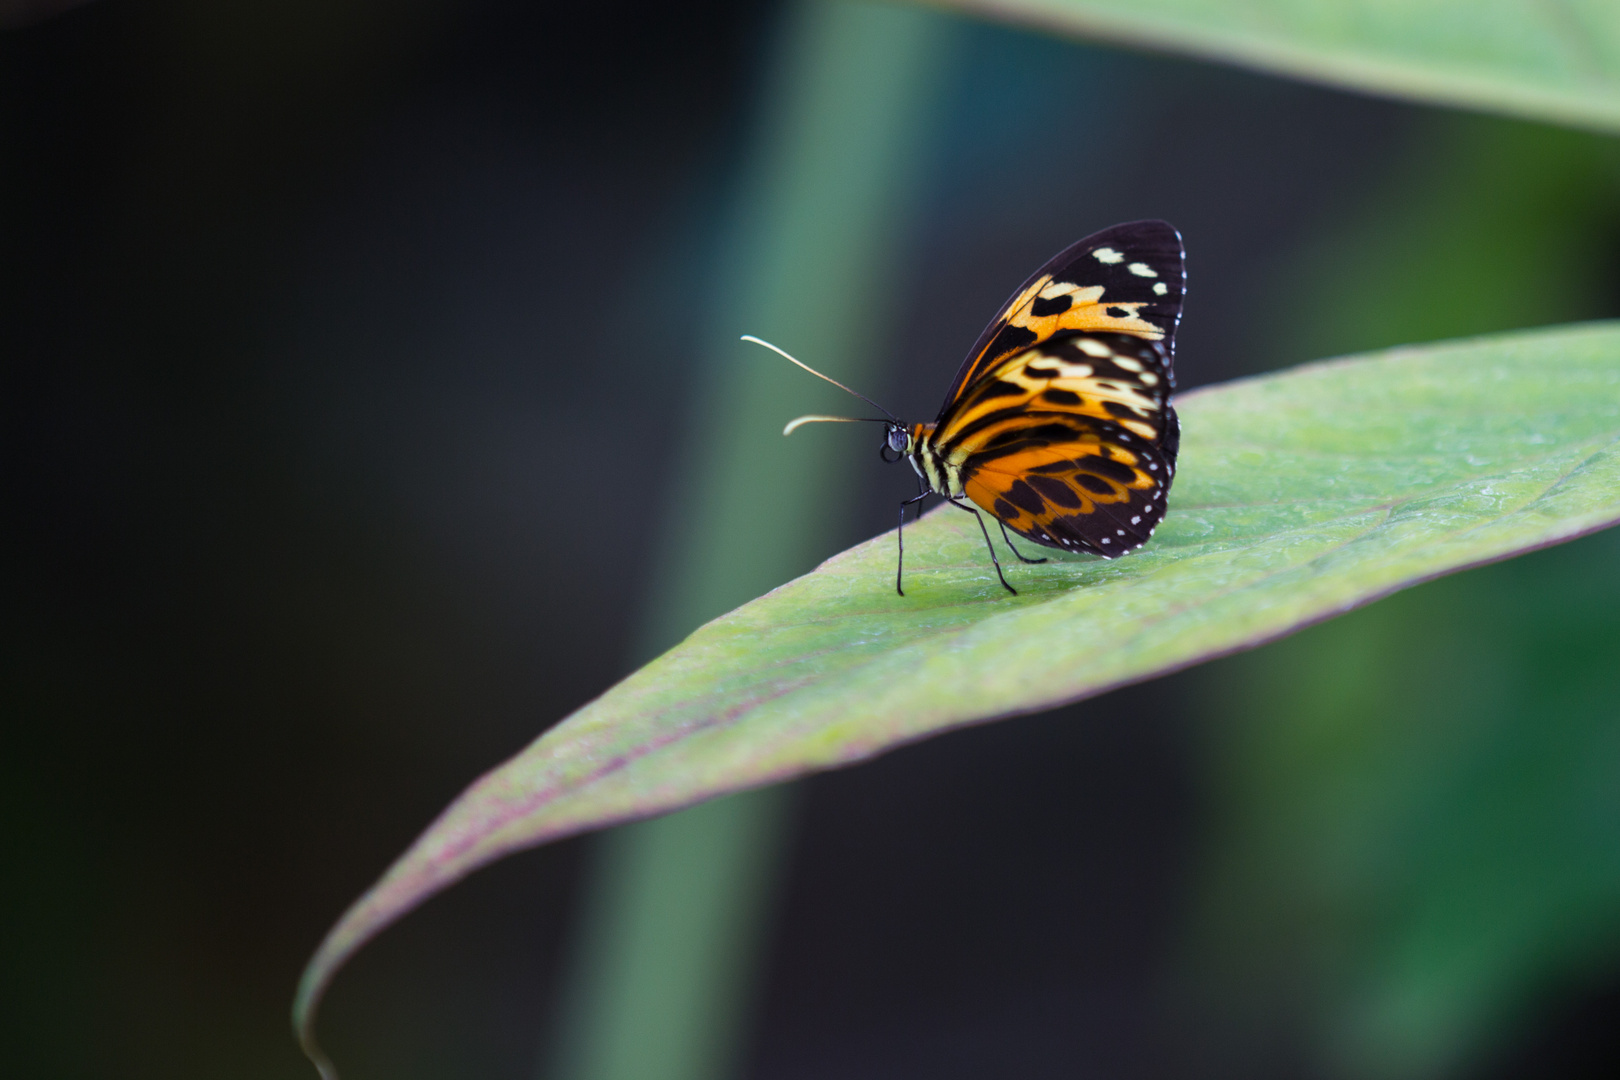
1059	423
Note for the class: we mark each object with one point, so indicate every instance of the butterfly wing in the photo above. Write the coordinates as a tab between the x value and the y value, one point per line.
1071	443
1128	279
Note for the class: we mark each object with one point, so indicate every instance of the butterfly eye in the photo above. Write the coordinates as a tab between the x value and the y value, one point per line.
898	440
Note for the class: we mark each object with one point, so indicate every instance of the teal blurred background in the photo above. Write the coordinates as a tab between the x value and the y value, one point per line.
372	399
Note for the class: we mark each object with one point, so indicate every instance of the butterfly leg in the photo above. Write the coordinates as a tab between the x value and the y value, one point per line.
1010	547
900	539
994	561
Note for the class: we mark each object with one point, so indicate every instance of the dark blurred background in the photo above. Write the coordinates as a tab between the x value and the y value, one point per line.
348	354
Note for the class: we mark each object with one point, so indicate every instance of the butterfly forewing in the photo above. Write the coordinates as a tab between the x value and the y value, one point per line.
1071	443
1128	279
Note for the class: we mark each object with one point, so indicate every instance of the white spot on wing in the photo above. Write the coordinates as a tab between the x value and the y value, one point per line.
1142	270
1160	288
1108	255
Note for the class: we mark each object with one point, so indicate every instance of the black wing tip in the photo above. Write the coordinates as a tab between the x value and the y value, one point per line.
1143	227
1149	233
1137	232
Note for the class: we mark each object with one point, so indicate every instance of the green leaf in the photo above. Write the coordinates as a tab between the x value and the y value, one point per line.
1557	62
1300	495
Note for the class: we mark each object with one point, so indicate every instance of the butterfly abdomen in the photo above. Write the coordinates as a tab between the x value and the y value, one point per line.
942	476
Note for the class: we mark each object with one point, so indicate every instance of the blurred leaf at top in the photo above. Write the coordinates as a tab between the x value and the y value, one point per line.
1486	224
1558	61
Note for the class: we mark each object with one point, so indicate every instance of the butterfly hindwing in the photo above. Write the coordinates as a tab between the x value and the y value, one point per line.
1071	443
1098	497
1127	279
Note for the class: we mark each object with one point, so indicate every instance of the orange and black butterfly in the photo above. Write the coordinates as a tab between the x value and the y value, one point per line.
1059	421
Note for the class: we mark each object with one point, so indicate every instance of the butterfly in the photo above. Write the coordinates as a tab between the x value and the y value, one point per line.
1059	423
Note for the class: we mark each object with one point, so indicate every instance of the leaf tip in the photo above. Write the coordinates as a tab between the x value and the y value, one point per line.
305	1004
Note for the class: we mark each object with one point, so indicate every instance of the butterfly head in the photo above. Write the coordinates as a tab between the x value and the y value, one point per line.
897	442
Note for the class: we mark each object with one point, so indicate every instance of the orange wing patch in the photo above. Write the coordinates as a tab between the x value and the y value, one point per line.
1068	306
1076	377
1087	496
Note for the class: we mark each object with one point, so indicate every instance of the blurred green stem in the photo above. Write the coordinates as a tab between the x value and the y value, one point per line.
676	910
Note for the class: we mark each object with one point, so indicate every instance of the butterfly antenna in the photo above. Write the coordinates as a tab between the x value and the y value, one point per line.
816	418
819	375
